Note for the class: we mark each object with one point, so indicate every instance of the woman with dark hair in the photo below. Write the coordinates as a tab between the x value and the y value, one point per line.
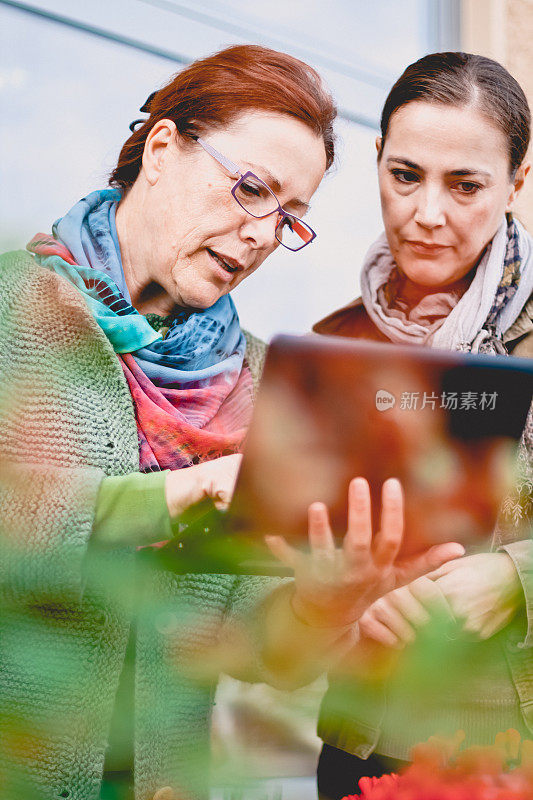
453	270
126	391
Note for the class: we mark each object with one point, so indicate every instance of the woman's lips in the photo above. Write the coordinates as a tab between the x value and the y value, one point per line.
222	273
426	249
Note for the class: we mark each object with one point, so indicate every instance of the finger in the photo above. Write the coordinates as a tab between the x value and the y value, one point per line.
358	537
411	608
283	551
472	628
388	615
222	498
378	632
487	625
451	564
430	595
218	478
389	538
321	539
425	563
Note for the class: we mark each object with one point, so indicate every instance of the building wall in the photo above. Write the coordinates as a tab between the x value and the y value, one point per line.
519	61
503	29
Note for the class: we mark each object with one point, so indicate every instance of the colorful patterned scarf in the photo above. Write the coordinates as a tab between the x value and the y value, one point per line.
191	389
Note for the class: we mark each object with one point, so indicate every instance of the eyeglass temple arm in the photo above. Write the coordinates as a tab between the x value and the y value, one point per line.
229	165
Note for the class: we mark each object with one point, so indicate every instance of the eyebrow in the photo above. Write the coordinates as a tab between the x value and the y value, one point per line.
275	184
465	171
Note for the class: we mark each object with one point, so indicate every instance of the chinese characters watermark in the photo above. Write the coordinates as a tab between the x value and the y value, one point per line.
449	401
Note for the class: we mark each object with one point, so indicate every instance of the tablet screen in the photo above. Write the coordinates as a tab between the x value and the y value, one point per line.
330	409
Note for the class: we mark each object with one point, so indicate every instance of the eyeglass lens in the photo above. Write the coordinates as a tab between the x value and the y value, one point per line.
293	233
258	200
255	197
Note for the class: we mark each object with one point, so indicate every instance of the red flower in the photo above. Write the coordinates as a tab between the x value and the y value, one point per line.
439	771
376	788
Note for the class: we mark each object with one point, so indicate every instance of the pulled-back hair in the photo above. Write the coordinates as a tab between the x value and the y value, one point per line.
212	92
464	79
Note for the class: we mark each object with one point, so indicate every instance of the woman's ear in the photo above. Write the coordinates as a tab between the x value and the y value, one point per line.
155	148
379	141
518	183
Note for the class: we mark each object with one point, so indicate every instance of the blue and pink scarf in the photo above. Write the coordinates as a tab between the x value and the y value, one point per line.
192	389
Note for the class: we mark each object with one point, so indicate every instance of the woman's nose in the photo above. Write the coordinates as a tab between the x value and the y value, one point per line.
430	208
260	233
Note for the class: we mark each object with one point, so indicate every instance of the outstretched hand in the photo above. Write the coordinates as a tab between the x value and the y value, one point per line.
334	586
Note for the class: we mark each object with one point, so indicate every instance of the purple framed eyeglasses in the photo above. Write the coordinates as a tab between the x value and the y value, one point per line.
257	199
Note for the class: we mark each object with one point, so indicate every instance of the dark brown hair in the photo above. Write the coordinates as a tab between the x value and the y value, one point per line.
463	79
213	91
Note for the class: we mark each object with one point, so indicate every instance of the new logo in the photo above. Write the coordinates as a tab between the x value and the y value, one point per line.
384	400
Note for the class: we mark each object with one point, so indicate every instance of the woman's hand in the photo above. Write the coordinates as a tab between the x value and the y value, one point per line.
394	619
334	587
214	479
483	591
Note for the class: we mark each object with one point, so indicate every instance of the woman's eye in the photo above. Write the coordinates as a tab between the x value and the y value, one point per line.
251	189
404	176
467	187
287	223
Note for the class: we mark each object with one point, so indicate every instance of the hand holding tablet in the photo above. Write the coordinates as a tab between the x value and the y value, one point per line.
335	585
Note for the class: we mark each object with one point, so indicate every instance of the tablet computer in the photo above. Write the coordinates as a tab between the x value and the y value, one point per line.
446	424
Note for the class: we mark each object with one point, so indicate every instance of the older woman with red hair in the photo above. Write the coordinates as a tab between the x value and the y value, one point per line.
127	389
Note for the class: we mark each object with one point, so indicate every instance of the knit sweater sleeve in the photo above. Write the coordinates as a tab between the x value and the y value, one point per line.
519	341
132	510
66	422
46	521
521	554
255	357
245	619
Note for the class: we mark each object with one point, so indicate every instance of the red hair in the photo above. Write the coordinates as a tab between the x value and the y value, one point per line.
212	92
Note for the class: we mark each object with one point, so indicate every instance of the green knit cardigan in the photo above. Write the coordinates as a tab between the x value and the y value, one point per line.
67	420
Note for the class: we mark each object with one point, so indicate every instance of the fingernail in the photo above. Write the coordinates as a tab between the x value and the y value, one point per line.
393	483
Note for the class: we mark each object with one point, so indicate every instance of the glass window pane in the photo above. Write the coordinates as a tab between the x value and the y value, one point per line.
71	96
